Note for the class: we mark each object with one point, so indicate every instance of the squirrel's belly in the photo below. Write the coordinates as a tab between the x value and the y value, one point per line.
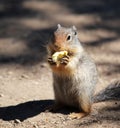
69	97
71	101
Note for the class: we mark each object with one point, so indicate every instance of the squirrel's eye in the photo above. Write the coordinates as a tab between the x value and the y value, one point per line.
69	37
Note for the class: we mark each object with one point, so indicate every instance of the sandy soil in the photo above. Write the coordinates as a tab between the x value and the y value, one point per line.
25	78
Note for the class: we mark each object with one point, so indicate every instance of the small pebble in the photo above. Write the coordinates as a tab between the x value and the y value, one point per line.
17	121
44	65
35	126
1	95
24	76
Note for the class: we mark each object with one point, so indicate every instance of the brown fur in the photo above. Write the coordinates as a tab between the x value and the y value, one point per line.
62	70
75	77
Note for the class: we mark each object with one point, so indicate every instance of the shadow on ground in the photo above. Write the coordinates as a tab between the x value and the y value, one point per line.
10	28
24	110
105	9
36	52
32	108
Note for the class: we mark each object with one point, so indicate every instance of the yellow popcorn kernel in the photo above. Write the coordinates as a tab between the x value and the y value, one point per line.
58	55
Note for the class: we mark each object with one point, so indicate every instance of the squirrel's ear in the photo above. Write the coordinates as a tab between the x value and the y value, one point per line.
74	28
59	26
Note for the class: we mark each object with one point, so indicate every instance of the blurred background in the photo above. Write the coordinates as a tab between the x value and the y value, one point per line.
25	27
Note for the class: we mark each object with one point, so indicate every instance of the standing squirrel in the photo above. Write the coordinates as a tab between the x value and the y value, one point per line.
75	77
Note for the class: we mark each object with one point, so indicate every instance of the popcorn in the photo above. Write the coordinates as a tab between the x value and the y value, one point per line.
58	55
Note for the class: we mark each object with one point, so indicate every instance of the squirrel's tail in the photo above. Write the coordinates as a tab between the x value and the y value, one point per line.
111	92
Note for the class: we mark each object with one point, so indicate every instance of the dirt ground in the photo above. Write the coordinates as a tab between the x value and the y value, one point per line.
25	78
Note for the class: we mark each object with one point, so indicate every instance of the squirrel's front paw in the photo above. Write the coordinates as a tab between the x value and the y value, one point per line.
65	60
50	61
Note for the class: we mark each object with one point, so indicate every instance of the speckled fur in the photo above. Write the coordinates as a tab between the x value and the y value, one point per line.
74	83
76	89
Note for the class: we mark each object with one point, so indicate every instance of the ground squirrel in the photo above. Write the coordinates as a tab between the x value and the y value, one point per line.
75	78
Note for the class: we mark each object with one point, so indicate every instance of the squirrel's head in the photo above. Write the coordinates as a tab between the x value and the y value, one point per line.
64	39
